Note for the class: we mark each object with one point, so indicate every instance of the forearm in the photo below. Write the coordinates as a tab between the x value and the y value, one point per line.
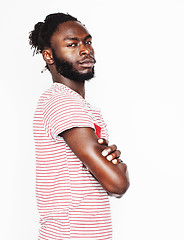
113	178
112	154
122	167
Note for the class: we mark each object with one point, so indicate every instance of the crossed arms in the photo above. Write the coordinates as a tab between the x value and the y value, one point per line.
112	176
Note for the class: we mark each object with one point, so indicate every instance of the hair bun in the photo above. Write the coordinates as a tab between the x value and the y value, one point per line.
34	37
40	37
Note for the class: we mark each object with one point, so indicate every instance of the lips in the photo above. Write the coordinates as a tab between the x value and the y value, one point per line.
87	63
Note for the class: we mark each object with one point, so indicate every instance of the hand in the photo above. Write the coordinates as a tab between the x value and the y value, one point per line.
110	152
83	142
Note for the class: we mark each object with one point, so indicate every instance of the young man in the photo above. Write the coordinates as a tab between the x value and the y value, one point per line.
76	169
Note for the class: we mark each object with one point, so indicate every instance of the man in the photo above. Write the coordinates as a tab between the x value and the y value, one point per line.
76	170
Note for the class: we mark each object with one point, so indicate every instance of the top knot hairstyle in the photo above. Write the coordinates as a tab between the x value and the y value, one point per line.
40	37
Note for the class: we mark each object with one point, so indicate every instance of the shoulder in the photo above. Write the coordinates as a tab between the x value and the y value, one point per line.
62	101
61	96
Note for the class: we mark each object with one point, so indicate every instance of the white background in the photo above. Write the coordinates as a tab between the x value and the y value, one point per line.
139	87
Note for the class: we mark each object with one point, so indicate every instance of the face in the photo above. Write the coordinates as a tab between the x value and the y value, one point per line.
72	51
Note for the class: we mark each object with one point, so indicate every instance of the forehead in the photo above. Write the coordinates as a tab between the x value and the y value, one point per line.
70	29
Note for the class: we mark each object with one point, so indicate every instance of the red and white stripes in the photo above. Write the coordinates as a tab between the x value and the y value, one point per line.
71	202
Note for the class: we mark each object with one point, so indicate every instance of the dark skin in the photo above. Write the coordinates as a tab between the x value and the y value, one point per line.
72	42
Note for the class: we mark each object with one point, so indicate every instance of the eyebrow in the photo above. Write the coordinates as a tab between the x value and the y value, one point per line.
76	38
88	36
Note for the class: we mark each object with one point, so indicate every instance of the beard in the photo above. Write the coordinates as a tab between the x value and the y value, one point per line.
67	70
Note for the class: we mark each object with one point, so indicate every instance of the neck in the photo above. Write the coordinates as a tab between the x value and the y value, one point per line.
78	87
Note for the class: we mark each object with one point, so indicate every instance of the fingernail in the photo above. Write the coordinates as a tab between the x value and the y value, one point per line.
109	157
115	161
100	140
104	153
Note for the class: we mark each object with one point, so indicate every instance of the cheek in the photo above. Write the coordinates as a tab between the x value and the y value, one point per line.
66	54
92	50
70	54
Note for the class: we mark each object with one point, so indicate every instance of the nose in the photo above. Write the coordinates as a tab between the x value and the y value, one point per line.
84	50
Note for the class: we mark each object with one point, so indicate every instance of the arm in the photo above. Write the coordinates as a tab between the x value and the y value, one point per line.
112	177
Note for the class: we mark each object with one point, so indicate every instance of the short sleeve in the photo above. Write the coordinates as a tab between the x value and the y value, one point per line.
63	112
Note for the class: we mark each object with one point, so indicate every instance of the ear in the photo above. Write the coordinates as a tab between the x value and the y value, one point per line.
47	56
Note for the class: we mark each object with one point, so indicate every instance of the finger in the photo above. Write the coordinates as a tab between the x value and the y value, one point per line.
117	160
103	141
114	155
109	150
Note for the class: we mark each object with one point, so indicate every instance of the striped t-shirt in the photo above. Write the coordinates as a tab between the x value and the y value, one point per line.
71	202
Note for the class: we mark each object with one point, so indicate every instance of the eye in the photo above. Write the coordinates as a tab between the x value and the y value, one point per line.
89	43
72	45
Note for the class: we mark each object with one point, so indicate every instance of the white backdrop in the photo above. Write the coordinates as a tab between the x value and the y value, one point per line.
139	87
